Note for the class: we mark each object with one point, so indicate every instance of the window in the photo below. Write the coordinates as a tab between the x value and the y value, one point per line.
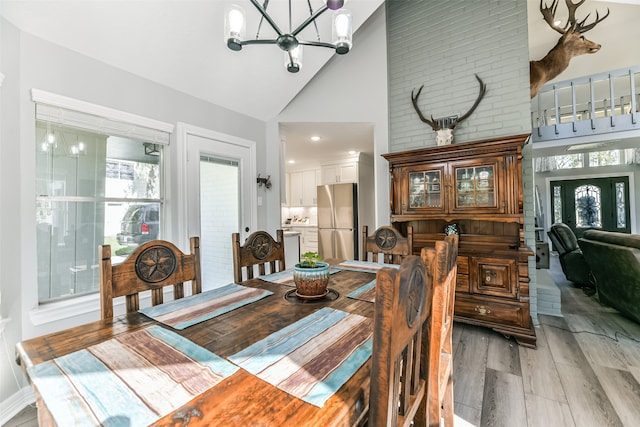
588	207
92	188
604	158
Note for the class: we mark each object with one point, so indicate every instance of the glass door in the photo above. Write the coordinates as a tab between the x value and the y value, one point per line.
221	192
592	203
426	190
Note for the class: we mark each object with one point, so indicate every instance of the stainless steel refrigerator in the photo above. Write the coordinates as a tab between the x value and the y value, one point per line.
338	221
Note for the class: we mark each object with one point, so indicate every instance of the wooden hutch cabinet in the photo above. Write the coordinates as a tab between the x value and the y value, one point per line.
478	187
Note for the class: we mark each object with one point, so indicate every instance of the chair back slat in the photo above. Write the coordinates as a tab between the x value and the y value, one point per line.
443	272
386	242
259	251
150	267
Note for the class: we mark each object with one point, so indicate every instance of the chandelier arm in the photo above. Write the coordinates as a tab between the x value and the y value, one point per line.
267	17
264	5
258	41
309	20
315	23
317	43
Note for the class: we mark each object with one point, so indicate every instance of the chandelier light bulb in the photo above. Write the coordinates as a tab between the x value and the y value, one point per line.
51	138
236	19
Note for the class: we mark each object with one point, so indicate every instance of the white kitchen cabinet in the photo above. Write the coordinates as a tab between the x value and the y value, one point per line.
302	188
291	248
308	238
339	173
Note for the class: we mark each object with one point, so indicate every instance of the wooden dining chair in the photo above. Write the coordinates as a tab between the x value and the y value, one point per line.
151	266
411	368
398	369
258	251
441	270
387	242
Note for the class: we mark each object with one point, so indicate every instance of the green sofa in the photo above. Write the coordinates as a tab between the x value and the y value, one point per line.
614	259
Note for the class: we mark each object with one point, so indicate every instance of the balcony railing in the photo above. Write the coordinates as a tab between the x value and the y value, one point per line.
591	105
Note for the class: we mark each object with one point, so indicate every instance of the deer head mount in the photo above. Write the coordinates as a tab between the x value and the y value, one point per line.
444	136
572	43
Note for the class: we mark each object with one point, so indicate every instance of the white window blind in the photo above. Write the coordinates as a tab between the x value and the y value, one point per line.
60	109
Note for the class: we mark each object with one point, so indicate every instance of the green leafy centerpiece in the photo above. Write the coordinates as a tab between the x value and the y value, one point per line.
311	276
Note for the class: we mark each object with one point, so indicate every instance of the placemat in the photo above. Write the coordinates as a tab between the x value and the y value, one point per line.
188	311
366	266
365	293
313	357
132	379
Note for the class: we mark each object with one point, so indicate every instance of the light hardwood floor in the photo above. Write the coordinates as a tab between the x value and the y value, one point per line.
585	371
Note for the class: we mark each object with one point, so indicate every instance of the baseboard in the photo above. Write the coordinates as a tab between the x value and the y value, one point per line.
15	403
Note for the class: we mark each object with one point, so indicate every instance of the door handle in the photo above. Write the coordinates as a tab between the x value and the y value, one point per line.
246	229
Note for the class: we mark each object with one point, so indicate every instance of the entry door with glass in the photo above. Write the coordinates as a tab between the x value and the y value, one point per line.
598	203
220	202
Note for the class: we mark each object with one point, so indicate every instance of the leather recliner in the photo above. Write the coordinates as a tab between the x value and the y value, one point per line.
574	266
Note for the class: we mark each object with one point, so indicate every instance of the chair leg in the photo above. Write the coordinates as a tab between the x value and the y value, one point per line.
447	404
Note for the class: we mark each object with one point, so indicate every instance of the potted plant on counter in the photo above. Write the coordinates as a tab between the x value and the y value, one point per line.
311	276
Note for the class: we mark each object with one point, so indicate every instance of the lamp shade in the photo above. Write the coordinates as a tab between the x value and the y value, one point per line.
342	32
293	59
234	27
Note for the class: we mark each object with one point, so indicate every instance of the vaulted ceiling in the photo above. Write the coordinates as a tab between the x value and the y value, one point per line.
180	44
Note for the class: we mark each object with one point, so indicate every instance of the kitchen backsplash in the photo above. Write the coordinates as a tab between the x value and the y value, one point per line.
300	215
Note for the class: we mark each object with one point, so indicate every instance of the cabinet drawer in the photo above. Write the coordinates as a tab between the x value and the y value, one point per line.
490	311
463	264
462	283
494	276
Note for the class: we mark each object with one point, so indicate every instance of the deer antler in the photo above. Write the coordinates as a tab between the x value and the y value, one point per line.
434	125
414	100
581	28
549	12
549	15
483	89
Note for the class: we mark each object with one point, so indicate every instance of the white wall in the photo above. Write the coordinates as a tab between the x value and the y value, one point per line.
29	62
352	89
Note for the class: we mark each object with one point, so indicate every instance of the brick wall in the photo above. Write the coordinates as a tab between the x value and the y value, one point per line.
441	45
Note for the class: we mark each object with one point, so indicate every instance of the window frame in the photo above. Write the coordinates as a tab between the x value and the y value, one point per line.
83	308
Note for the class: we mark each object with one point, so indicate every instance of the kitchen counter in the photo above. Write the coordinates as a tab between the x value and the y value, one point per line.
287	227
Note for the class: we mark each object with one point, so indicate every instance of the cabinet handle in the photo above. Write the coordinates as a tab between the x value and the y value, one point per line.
481	309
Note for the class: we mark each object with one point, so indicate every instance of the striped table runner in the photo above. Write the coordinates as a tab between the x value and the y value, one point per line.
366	266
312	358
188	311
286	277
366	292
130	380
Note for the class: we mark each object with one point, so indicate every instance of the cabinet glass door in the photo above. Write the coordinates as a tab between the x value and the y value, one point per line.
475	186
425	189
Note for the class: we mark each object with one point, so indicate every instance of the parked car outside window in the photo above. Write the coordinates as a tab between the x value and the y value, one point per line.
140	224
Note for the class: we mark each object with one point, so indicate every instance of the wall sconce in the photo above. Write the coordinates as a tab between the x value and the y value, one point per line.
151	149
264	181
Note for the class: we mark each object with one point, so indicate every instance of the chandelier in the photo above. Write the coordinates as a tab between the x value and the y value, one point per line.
289	41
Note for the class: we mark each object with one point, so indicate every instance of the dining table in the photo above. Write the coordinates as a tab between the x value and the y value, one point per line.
239	397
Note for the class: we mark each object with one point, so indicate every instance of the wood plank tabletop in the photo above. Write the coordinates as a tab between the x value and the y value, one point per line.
242	398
